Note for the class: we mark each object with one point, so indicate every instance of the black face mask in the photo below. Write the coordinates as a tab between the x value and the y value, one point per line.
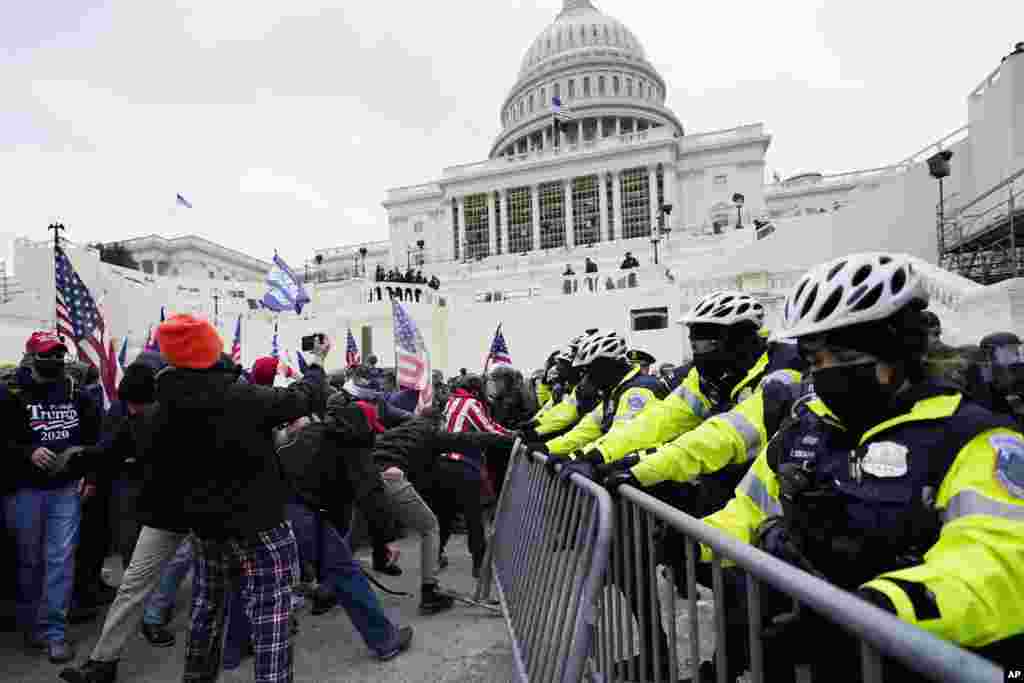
854	395
49	368
714	365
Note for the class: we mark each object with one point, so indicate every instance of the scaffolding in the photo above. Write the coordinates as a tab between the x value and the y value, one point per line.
983	240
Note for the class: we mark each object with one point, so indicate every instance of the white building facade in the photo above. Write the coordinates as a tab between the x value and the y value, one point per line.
194	257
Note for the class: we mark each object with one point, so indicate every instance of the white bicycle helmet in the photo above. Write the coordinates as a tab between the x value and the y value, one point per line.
854	289
725	307
569	351
606	345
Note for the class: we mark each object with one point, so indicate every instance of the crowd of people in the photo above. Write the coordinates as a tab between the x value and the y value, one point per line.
409	277
850	442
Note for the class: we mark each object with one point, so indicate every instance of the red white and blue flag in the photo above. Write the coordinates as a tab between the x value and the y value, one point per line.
82	321
412	357
351	351
236	345
499	354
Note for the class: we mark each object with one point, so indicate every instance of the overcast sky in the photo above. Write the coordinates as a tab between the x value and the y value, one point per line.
285	122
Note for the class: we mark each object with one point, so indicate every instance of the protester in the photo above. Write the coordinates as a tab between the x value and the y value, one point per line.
43	418
233	497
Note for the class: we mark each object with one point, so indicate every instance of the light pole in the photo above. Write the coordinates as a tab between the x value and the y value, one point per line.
663	210
939	168
738	200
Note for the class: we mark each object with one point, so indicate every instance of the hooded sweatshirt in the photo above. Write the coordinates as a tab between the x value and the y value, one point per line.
35	415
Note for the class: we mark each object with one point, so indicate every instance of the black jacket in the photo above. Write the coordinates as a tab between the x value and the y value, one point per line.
212	448
414	448
330	467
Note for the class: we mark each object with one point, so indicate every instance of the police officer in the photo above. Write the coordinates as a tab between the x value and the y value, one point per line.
571	398
1002	375
714	423
642	359
886	483
625	393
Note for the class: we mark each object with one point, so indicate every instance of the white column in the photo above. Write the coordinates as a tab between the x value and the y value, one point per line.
462	228
602	205
617	202
579	132
506	221
491	227
618	125
652	193
570	233
535	201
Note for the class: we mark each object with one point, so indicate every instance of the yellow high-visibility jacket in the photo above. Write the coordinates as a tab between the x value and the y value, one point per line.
635	394
718	440
969	588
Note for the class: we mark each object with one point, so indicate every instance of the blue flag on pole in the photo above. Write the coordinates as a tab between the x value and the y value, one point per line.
275	350
286	291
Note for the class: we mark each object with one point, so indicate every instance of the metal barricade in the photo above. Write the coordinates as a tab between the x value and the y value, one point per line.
547	556
632	618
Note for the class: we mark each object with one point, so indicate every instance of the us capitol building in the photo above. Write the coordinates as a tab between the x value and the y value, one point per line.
620	173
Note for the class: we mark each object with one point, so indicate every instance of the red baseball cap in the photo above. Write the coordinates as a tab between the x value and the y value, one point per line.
43	341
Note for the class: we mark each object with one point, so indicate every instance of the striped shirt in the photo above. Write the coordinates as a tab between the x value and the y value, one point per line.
466	413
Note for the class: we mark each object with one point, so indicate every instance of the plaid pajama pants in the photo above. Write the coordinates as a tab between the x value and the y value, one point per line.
260	571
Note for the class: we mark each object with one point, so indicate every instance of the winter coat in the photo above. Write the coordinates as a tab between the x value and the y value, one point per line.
415	446
330	467
213	450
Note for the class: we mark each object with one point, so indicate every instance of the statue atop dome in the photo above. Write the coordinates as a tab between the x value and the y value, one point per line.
570	5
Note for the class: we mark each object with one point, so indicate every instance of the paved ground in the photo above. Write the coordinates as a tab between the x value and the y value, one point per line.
464	645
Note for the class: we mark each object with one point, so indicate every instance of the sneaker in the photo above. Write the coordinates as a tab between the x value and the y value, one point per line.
157	635
60	651
324	600
35	644
432	602
389	569
91	672
404	640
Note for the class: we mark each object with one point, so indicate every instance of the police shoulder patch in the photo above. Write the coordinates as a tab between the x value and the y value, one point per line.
1009	462
637	401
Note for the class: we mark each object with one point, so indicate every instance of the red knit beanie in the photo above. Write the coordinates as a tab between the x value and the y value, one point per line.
264	370
189	342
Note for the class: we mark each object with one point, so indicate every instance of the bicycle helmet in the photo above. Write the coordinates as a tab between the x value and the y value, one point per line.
725	307
608	345
851	290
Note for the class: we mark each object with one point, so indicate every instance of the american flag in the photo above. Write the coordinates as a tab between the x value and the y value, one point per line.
498	354
351	351
82	321
236	345
412	357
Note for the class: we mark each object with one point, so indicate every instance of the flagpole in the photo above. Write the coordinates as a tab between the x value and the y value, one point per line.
56	227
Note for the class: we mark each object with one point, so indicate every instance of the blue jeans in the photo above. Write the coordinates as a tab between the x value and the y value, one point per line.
163	598
340	571
45	525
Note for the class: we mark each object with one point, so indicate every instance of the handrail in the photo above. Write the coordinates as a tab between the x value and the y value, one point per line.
1009	180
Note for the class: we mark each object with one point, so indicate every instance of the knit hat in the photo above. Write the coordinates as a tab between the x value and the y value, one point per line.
189	342
264	370
138	384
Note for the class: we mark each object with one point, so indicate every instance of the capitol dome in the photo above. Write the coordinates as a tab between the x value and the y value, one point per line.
597	68
580	26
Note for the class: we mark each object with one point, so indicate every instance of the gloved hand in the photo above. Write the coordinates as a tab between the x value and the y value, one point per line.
576	467
555	460
537	447
619	477
606	469
776	537
878	599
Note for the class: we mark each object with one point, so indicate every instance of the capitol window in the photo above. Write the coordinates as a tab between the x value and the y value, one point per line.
636	203
586	86
629	87
520	220
543	96
531	104
600	85
572	88
721	179
558	90
644	319
552	215
418	227
615	85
